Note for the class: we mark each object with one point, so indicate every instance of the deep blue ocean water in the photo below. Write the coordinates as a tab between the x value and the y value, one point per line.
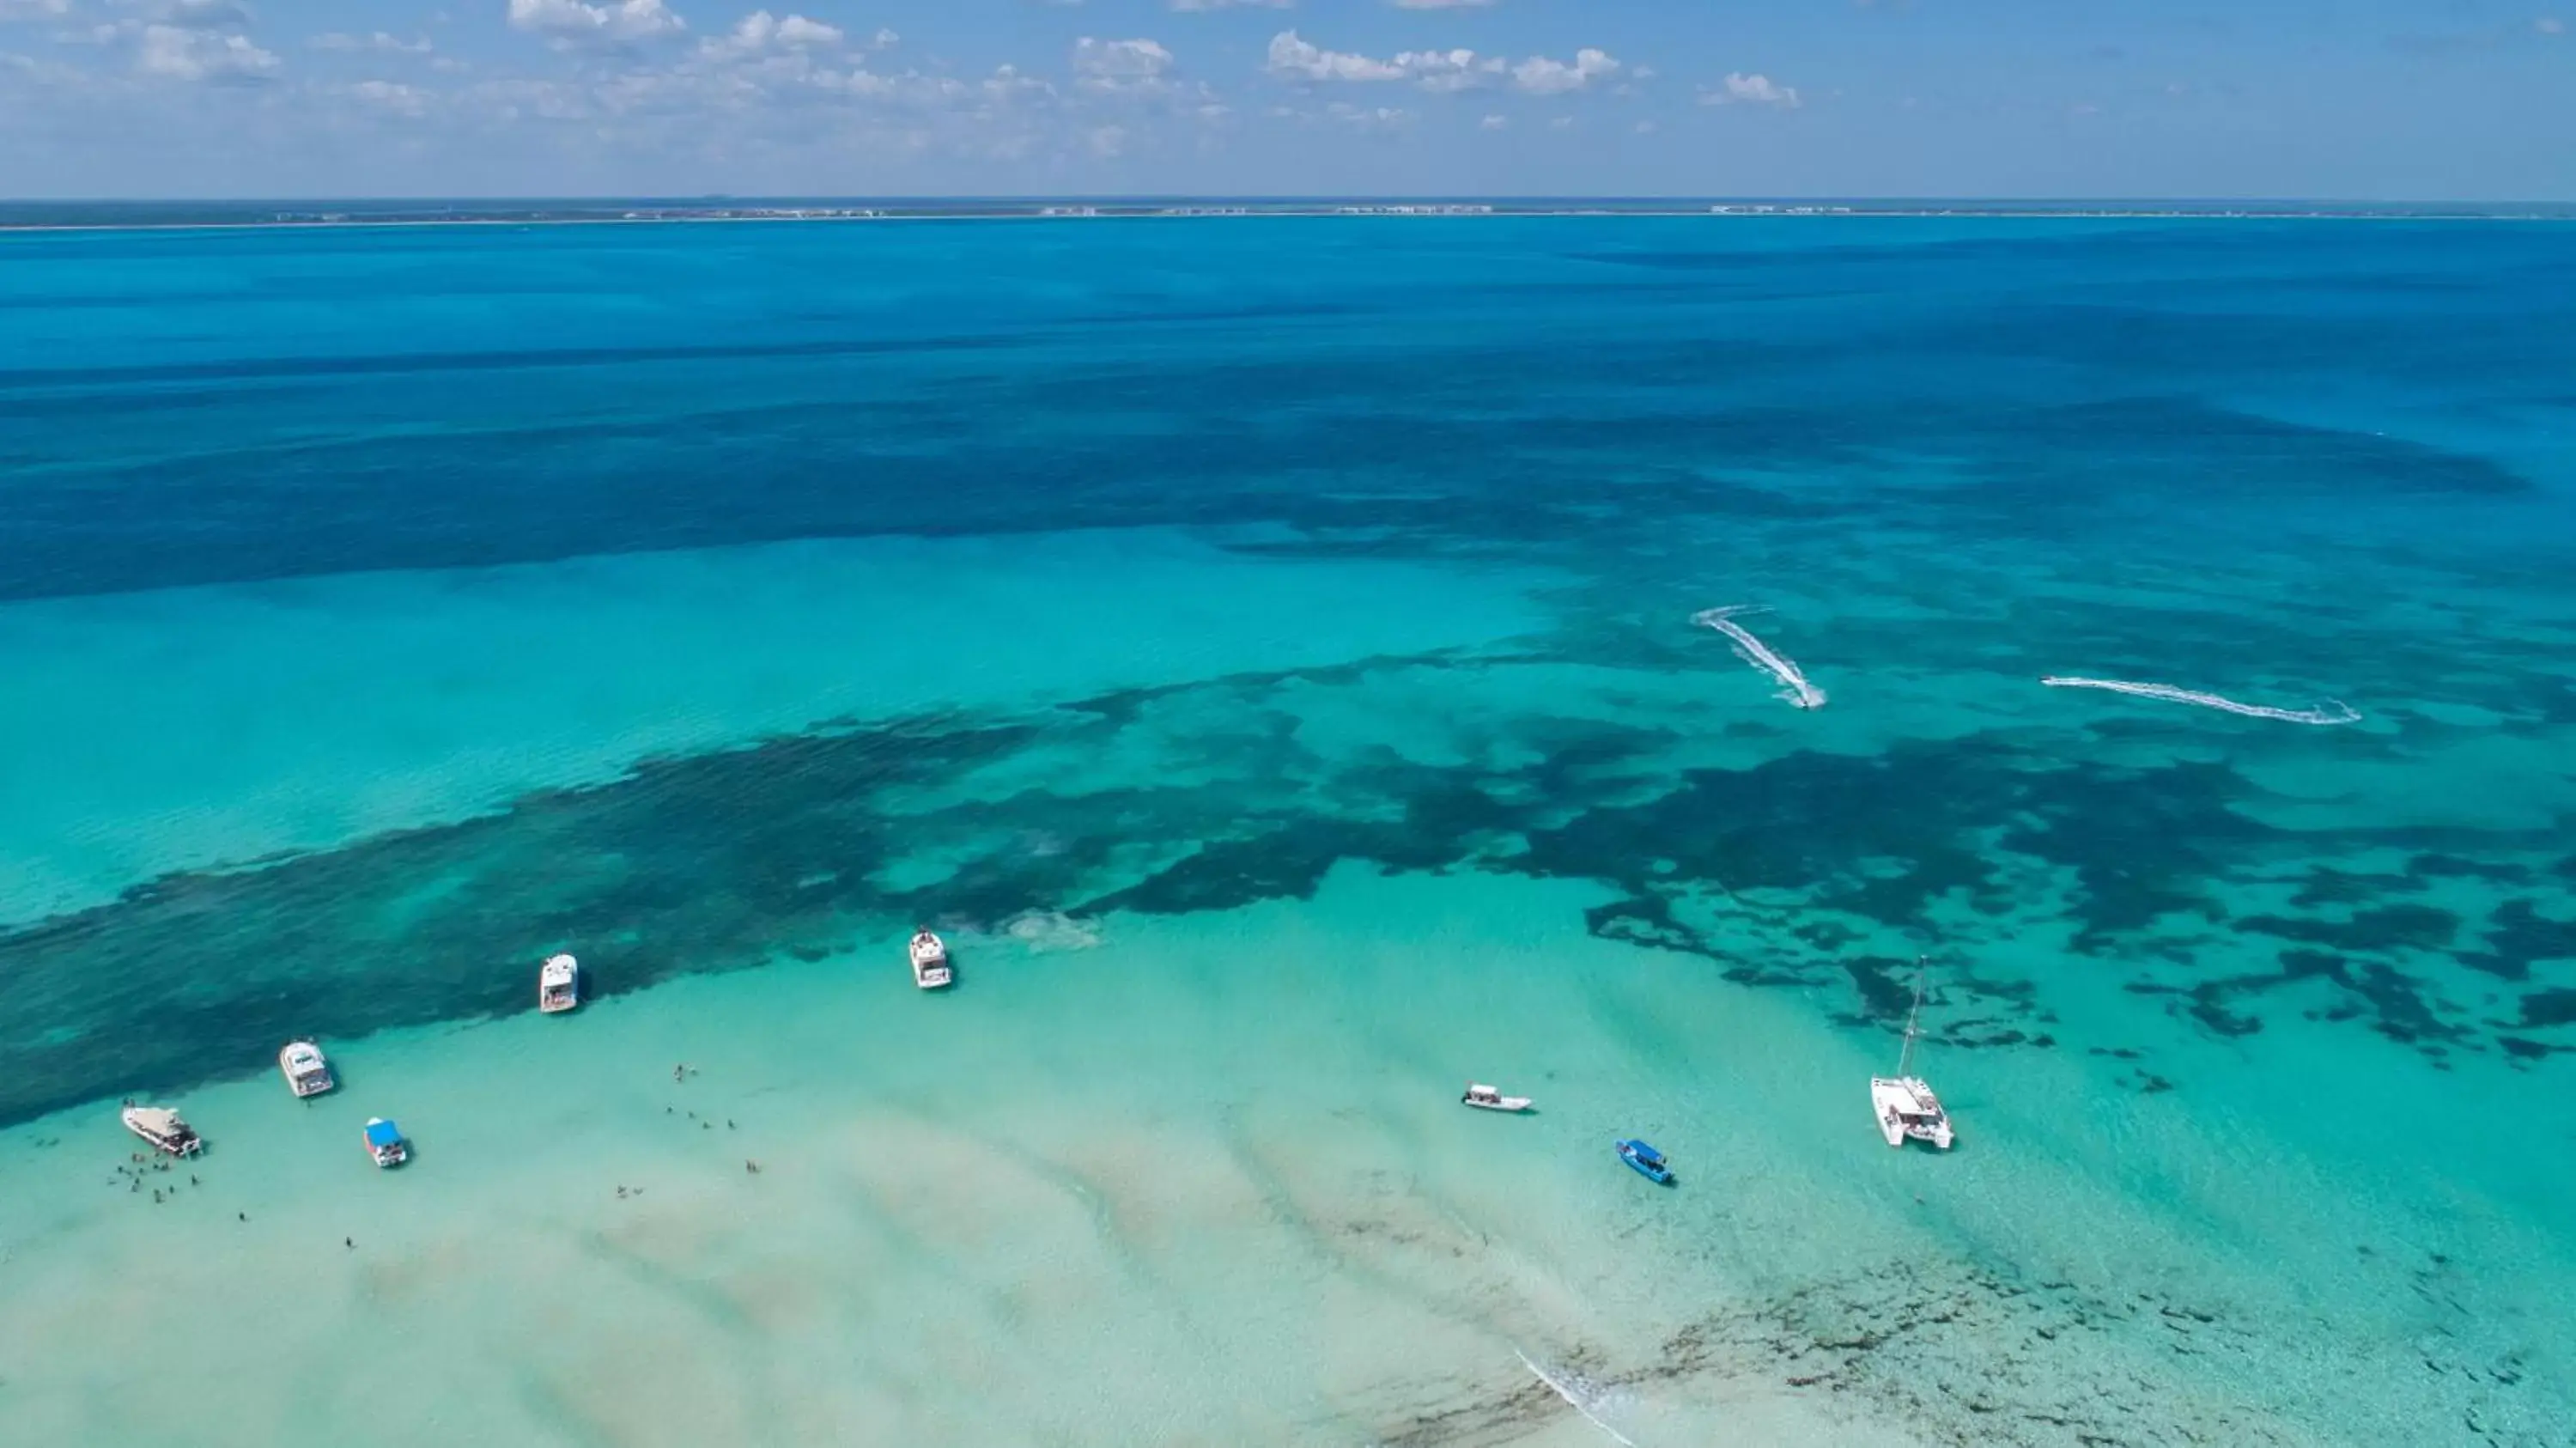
395	602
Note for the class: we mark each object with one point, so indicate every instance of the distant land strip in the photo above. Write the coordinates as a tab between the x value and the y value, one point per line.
162	216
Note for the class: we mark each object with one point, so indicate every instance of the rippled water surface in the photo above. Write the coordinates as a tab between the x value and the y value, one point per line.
1267	648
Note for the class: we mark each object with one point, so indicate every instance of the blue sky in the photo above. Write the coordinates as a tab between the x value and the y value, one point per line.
2436	99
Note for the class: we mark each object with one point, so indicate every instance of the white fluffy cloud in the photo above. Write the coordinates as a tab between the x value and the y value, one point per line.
794	31
1448	70
760	32
1120	59
1750	90
1293	57
1303	59
1140	69
576	23
33	9
178	53
1541	76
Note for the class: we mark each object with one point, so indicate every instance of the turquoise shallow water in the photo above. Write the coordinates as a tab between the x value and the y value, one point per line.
1265	648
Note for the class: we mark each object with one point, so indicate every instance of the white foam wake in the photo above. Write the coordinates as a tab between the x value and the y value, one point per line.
2336	712
1574	1395
1795	688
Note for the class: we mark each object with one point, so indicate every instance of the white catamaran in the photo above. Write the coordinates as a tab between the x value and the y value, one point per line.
1905	1104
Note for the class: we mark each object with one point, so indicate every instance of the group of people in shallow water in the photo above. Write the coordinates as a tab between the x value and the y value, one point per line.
680	1074
133	1173
138	1166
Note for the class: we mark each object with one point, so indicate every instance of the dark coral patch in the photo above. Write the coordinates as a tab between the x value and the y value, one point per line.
2391	927
2519	937
1808	870
2328	886
2435	865
2549	1008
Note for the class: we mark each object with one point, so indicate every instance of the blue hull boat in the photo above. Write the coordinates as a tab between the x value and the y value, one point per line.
1647	1162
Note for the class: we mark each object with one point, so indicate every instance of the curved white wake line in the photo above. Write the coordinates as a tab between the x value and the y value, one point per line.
2337	712
1571	1401
1795	688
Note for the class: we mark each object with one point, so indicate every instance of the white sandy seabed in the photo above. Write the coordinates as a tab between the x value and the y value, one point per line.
1205	1181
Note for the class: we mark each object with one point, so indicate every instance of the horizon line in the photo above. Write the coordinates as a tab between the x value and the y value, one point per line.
1281	197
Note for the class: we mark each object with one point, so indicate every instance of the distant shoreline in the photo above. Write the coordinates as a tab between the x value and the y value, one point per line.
288	218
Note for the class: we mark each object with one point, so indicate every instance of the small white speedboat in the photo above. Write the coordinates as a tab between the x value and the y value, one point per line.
162	1127
930	968
1906	1108
558	984
385	1142
1491	1098
307	1071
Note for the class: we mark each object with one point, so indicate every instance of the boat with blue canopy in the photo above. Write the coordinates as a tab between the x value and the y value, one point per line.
1646	1161
385	1142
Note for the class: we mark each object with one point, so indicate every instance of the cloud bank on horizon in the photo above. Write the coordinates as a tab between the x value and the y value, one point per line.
2362	99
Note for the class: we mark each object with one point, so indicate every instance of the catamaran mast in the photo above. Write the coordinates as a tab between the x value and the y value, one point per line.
1905	1057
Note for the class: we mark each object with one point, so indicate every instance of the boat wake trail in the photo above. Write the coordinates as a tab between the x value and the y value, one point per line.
1578	1395
2335	711
1794	686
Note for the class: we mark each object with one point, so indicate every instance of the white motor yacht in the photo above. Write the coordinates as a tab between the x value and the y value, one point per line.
162	1127
558	984
1491	1098
930	961
1905	1105
308	1072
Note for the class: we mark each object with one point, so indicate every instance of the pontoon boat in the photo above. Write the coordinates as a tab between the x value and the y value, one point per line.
1648	1162
385	1142
162	1127
1491	1098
